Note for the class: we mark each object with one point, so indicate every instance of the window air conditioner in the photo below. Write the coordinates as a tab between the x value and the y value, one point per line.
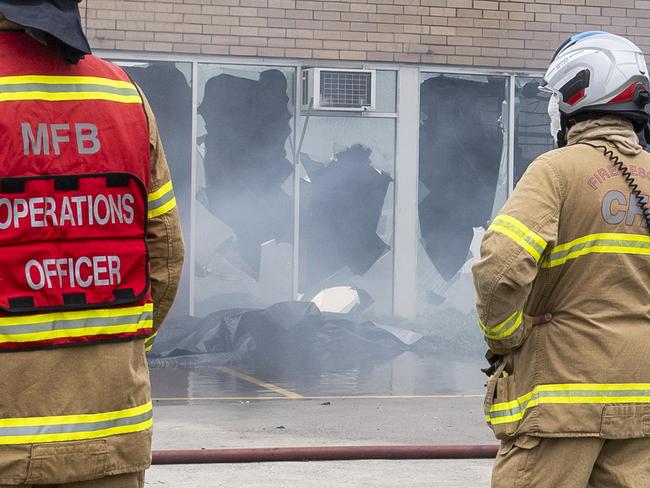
338	89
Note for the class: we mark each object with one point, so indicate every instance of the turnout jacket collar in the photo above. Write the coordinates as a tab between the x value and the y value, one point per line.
615	130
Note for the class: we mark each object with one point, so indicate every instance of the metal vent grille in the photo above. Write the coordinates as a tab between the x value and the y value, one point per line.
343	89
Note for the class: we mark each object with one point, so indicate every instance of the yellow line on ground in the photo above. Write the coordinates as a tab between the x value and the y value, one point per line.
333	397
263	384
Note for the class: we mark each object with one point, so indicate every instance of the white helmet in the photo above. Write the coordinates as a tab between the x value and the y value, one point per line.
596	73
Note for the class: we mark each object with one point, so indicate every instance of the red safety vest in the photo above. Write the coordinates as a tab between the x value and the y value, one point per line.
74	183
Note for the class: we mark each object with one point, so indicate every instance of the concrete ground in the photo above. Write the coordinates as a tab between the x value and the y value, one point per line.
353	474
333	421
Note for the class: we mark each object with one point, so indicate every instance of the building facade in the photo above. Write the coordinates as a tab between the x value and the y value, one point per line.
281	200
505	34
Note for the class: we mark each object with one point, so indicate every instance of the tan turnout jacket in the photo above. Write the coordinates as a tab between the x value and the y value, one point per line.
89	383
571	241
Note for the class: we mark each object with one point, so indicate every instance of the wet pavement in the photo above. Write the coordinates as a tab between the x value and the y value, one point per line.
407	374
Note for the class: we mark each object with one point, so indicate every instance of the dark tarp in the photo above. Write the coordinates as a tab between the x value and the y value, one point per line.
247	124
294	332
460	155
341	207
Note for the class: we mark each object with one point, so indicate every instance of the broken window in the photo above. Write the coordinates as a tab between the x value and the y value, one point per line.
244	200
346	207
463	182
532	124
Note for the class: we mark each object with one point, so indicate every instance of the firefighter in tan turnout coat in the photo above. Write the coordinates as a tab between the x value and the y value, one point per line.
90	256
563	285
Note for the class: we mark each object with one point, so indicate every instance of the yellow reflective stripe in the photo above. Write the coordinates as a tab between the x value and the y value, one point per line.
604	243
76	419
162	200
75	427
515	410
67	88
64	80
74	333
504	329
77	315
34	328
170	205
76	436
520	234
163	190
68	96
148	342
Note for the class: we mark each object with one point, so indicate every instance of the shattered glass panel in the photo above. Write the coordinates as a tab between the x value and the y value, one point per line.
168	88
532	124
346	208
244	200
463	183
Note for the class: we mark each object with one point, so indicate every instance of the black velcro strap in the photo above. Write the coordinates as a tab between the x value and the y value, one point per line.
66	183
117	181
72	299
12	185
124	295
21	303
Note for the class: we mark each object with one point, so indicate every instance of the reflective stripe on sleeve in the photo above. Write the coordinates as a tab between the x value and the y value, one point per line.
148	342
522	235
162	200
66	88
32	430
78	324
505	329
597	243
513	411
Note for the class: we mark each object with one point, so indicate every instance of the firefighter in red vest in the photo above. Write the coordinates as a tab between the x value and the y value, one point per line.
90	256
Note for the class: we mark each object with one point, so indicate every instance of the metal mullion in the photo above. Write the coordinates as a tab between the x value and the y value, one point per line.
193	183
405	230
297	63
297	128
350	114
452	70
512	99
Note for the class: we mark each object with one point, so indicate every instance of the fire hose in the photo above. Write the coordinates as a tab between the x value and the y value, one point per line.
334	453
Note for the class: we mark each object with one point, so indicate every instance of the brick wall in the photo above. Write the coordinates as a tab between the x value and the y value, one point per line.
512	34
